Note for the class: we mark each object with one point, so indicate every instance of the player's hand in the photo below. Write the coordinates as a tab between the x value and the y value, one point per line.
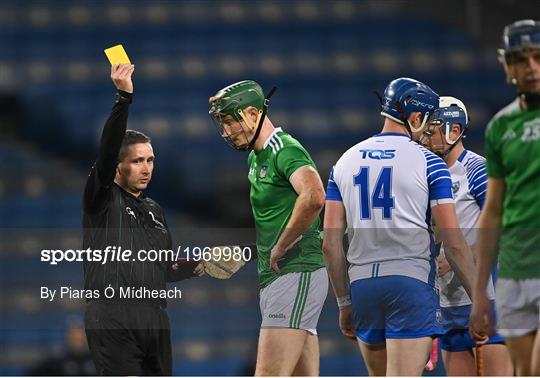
121	76
199	270
481	322
277	253
346	323
444	266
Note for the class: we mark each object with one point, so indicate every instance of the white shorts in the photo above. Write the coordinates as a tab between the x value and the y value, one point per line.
294	300
518	306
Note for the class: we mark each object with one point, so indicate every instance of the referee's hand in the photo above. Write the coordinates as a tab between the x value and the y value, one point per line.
121	76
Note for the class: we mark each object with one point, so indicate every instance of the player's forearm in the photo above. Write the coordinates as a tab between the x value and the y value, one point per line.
486	248
337	268
306	209
459	257
112	136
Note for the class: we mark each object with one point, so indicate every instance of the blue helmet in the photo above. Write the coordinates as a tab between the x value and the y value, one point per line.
451	112
404	96
519	36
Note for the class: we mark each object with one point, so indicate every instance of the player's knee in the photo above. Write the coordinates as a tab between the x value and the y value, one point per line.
535	365
265	370
307	366
312	371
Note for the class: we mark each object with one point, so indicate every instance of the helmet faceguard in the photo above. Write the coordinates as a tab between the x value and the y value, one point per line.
521	36
228	111
451	112
404	96
232	124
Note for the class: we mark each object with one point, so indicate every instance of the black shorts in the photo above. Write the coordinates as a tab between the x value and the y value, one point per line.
128	338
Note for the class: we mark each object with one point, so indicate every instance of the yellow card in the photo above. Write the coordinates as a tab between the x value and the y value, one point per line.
117	55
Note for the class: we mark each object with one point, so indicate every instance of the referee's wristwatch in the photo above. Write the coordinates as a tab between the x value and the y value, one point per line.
123	97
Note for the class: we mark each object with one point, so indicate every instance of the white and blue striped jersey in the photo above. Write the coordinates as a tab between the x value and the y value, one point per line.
387	184
469	187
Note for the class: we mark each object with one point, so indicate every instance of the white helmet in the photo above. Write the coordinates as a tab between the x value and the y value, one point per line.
446	101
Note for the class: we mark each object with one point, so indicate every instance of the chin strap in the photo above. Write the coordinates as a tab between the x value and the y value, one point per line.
266	102
422	125
532	99
445	153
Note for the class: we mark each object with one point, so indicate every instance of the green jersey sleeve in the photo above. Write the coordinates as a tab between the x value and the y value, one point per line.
290	158
493	154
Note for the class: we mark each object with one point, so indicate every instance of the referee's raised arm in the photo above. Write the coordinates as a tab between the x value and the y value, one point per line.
103	172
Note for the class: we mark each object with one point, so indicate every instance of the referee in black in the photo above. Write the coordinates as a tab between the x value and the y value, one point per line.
126	336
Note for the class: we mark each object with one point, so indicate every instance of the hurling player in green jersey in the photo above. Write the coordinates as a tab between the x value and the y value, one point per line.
286	197
510	219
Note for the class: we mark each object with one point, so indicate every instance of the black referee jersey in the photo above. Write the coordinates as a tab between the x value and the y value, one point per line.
114	218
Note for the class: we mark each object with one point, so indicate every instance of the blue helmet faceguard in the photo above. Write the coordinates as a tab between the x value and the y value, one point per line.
522	35
451	111
404	96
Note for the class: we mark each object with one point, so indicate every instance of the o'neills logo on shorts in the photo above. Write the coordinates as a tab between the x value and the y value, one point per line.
438	316
277	316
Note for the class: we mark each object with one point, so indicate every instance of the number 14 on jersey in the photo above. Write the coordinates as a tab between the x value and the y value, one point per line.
381	195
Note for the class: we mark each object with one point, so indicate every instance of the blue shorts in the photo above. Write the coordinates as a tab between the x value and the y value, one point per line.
456	336
394	307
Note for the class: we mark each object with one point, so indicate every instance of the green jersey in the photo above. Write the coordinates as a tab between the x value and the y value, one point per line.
513	153
272	200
